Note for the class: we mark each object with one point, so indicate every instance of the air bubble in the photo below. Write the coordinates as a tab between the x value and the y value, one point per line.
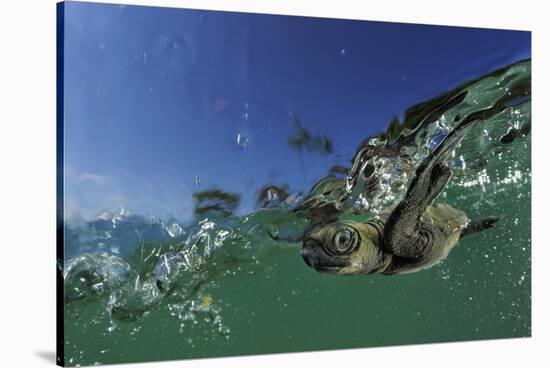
242	140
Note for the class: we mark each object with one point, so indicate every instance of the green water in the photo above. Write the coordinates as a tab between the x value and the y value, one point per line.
252	295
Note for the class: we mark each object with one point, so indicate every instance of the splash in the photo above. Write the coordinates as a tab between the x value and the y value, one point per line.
383	164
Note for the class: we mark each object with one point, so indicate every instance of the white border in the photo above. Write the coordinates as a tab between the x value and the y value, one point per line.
27	182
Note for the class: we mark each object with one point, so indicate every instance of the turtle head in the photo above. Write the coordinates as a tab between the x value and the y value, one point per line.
345	248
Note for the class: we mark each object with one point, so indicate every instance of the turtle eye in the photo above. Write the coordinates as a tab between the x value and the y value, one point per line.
343	242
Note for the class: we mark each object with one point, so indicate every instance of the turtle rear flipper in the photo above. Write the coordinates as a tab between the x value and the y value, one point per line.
478	225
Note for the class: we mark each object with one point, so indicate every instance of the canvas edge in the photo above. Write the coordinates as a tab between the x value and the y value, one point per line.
60	251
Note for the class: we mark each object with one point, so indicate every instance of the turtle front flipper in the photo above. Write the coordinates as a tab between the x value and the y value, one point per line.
405	233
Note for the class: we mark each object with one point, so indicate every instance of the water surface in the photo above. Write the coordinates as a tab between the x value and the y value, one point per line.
139	287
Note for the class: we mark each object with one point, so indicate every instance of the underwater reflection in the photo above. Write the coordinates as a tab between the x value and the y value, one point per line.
215	202
304	140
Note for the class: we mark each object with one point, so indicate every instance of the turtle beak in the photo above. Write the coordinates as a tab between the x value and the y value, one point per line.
308	252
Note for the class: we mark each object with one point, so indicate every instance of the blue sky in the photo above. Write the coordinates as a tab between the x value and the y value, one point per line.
156	96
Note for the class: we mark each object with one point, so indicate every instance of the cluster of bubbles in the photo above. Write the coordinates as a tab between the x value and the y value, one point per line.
172	275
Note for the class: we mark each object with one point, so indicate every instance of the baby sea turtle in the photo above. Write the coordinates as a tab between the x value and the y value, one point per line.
412	236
